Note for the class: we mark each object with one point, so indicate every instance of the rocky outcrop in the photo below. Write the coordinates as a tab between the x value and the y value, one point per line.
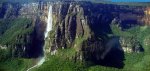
146	17
70	23
94	48
131	44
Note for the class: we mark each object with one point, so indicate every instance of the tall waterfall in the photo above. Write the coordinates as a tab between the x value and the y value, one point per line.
41	60
49	21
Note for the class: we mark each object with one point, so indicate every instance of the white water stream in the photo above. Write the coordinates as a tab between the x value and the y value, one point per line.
49	22
41	60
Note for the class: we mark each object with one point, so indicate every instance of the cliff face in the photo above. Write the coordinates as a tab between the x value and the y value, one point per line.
18	30
74	21
84	26
70	23
9	10
146	18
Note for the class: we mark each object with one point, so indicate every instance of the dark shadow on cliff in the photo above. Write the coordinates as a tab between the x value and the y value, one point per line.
99	20
100	16
36	48
114	55
99	49
110	55
127	24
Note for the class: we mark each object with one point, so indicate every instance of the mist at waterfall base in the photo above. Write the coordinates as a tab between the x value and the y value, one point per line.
41	59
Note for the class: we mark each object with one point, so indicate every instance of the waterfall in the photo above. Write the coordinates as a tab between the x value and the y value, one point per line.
41	60
49	22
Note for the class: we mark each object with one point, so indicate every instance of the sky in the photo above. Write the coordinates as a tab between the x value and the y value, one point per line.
130	0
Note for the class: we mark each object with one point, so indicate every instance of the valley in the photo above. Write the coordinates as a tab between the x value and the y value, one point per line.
74	36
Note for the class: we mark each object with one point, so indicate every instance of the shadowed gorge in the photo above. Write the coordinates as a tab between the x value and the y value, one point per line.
110	55
36	48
